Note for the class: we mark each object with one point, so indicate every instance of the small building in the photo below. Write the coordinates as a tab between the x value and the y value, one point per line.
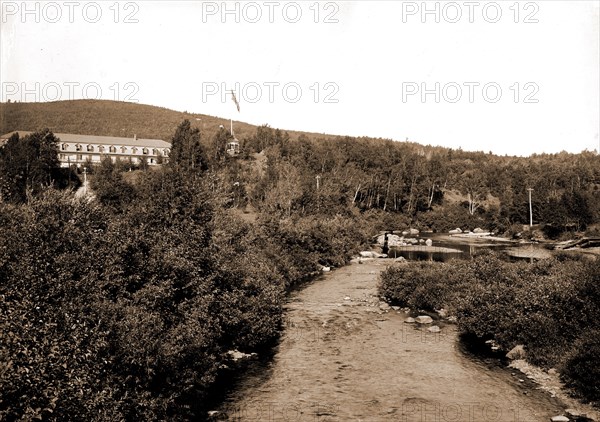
233	147
80	149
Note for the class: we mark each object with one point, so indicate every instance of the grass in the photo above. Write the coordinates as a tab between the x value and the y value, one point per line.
114	118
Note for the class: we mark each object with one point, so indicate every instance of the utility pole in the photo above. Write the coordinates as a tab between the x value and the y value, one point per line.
530	208
85	181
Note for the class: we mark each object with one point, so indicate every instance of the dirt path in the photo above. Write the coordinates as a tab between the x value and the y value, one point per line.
343	359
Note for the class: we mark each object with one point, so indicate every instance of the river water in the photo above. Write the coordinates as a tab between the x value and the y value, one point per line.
465	248
342	358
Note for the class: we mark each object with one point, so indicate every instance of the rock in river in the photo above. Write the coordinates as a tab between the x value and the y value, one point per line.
517	352
424	319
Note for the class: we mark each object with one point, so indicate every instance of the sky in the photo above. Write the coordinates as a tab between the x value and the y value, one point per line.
510	77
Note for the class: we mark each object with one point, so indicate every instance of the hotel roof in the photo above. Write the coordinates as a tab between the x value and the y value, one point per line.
99	140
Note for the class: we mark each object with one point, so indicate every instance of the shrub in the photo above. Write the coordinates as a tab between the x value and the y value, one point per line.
581	370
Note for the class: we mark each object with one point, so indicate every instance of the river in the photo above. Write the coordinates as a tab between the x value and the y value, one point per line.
342	358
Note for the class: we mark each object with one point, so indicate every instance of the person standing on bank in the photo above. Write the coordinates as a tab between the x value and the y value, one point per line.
385	248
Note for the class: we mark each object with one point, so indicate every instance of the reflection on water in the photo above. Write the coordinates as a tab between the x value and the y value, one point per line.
425	256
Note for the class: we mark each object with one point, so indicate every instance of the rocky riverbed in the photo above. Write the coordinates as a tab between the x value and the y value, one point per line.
347	356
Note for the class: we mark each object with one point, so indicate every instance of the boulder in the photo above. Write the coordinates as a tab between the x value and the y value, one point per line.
393	239
424	319
326	269
517	352
429	242
400	259
236	355
559	418
479	230
413	232
371	254
410	320
455	231
434	329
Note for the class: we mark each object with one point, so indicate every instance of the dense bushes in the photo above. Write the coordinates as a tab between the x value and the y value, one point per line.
550	306
125	308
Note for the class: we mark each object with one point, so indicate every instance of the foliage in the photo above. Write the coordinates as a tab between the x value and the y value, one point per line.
29	164
124	307
186	151
582	369
109	186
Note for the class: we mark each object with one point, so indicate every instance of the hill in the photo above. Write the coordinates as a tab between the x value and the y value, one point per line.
115	118
108	118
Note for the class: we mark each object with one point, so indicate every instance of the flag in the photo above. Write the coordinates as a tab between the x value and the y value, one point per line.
235	100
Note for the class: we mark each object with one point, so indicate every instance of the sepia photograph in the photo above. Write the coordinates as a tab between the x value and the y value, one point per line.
321	211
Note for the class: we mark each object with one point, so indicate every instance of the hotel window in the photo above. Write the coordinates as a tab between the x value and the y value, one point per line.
123	150
100	148
90	148
112	148
77	147
134	150
64	147
79	157
145	151
154	151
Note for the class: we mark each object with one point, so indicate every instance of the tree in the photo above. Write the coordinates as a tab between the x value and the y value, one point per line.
186	150
110	188
473	184
28	165
219	144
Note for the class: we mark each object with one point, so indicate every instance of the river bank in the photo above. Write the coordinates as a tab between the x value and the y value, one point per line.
346	355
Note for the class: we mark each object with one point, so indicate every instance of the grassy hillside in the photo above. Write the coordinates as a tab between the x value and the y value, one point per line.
109	118
113	118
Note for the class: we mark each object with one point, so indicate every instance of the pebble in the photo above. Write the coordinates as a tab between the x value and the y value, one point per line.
572	413
384	306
